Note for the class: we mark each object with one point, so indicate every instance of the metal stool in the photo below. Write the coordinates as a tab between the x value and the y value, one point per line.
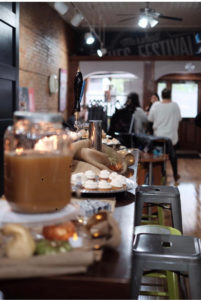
166	252
170	277
159	195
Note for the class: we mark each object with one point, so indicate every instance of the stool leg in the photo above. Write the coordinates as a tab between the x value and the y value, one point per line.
136	277
150	183
172	281
138	211
160	216
195	281
183	287
176	219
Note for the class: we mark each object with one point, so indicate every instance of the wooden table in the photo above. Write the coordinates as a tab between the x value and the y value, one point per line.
107	279
154	167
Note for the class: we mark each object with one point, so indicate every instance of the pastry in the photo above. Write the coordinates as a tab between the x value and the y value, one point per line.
91	185
78	178
113	175
104	175
90	175
104	185
116	183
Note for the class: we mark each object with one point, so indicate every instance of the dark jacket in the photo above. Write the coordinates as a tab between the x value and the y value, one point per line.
120	121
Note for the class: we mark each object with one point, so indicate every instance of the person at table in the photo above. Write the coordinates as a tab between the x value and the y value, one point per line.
69	123
154	98
166	116
130	119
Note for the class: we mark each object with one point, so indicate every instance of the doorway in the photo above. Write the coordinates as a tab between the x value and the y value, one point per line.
106	92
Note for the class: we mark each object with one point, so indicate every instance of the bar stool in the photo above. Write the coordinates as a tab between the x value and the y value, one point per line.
171	278
159	195
166	252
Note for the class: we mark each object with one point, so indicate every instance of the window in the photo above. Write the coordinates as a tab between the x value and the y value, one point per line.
186	96
110	90
160	87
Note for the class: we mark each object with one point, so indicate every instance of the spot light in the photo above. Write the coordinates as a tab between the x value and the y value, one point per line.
101	52
89	38
61	7
77	19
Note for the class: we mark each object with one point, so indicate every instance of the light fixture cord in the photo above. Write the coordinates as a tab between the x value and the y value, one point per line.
91	28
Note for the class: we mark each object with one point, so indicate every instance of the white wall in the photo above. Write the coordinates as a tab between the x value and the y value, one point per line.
169	67
137	68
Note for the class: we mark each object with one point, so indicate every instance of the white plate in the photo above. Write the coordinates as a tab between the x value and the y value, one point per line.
130	187
7	215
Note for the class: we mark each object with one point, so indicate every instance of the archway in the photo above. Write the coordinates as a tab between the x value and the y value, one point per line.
105	92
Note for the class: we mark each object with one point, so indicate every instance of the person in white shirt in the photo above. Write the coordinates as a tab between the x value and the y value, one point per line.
166	116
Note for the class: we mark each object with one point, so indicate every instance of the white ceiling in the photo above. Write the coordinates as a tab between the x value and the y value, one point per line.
99	14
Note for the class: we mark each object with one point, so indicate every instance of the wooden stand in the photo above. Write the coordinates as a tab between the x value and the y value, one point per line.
151	165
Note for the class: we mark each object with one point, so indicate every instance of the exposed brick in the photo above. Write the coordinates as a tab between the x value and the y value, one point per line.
45	42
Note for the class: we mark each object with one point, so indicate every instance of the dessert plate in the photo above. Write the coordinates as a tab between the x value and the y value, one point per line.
7	215
130	187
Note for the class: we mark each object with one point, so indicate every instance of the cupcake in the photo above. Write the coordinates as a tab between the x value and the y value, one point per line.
104	185
104	175
122	179
78	178
91	185
113	175
116	184
90	175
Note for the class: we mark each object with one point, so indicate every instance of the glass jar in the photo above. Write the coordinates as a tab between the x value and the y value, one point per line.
37	160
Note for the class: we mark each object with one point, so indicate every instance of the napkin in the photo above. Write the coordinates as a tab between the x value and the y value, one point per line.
89	207
107	159
94	157
81	166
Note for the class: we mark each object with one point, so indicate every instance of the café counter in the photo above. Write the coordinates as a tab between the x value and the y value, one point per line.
107	279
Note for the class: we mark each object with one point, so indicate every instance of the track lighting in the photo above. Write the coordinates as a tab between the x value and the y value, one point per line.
89	38
91	35
76	20
101	51
61	7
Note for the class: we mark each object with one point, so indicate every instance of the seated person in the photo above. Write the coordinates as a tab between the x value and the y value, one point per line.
154	98
69	123
130	119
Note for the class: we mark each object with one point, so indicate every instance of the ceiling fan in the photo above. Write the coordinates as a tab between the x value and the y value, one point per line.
148	17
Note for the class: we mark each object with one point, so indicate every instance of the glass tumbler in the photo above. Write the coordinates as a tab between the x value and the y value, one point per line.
37	160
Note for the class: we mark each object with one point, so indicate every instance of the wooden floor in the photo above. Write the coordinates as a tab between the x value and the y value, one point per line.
190	191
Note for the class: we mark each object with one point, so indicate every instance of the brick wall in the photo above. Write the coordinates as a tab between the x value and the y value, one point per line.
45	42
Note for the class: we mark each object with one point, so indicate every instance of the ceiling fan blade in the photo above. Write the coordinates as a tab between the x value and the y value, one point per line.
170	18
123	15
127	19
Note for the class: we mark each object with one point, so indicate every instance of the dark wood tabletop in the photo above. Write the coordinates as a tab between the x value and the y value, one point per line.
149	157
107	279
